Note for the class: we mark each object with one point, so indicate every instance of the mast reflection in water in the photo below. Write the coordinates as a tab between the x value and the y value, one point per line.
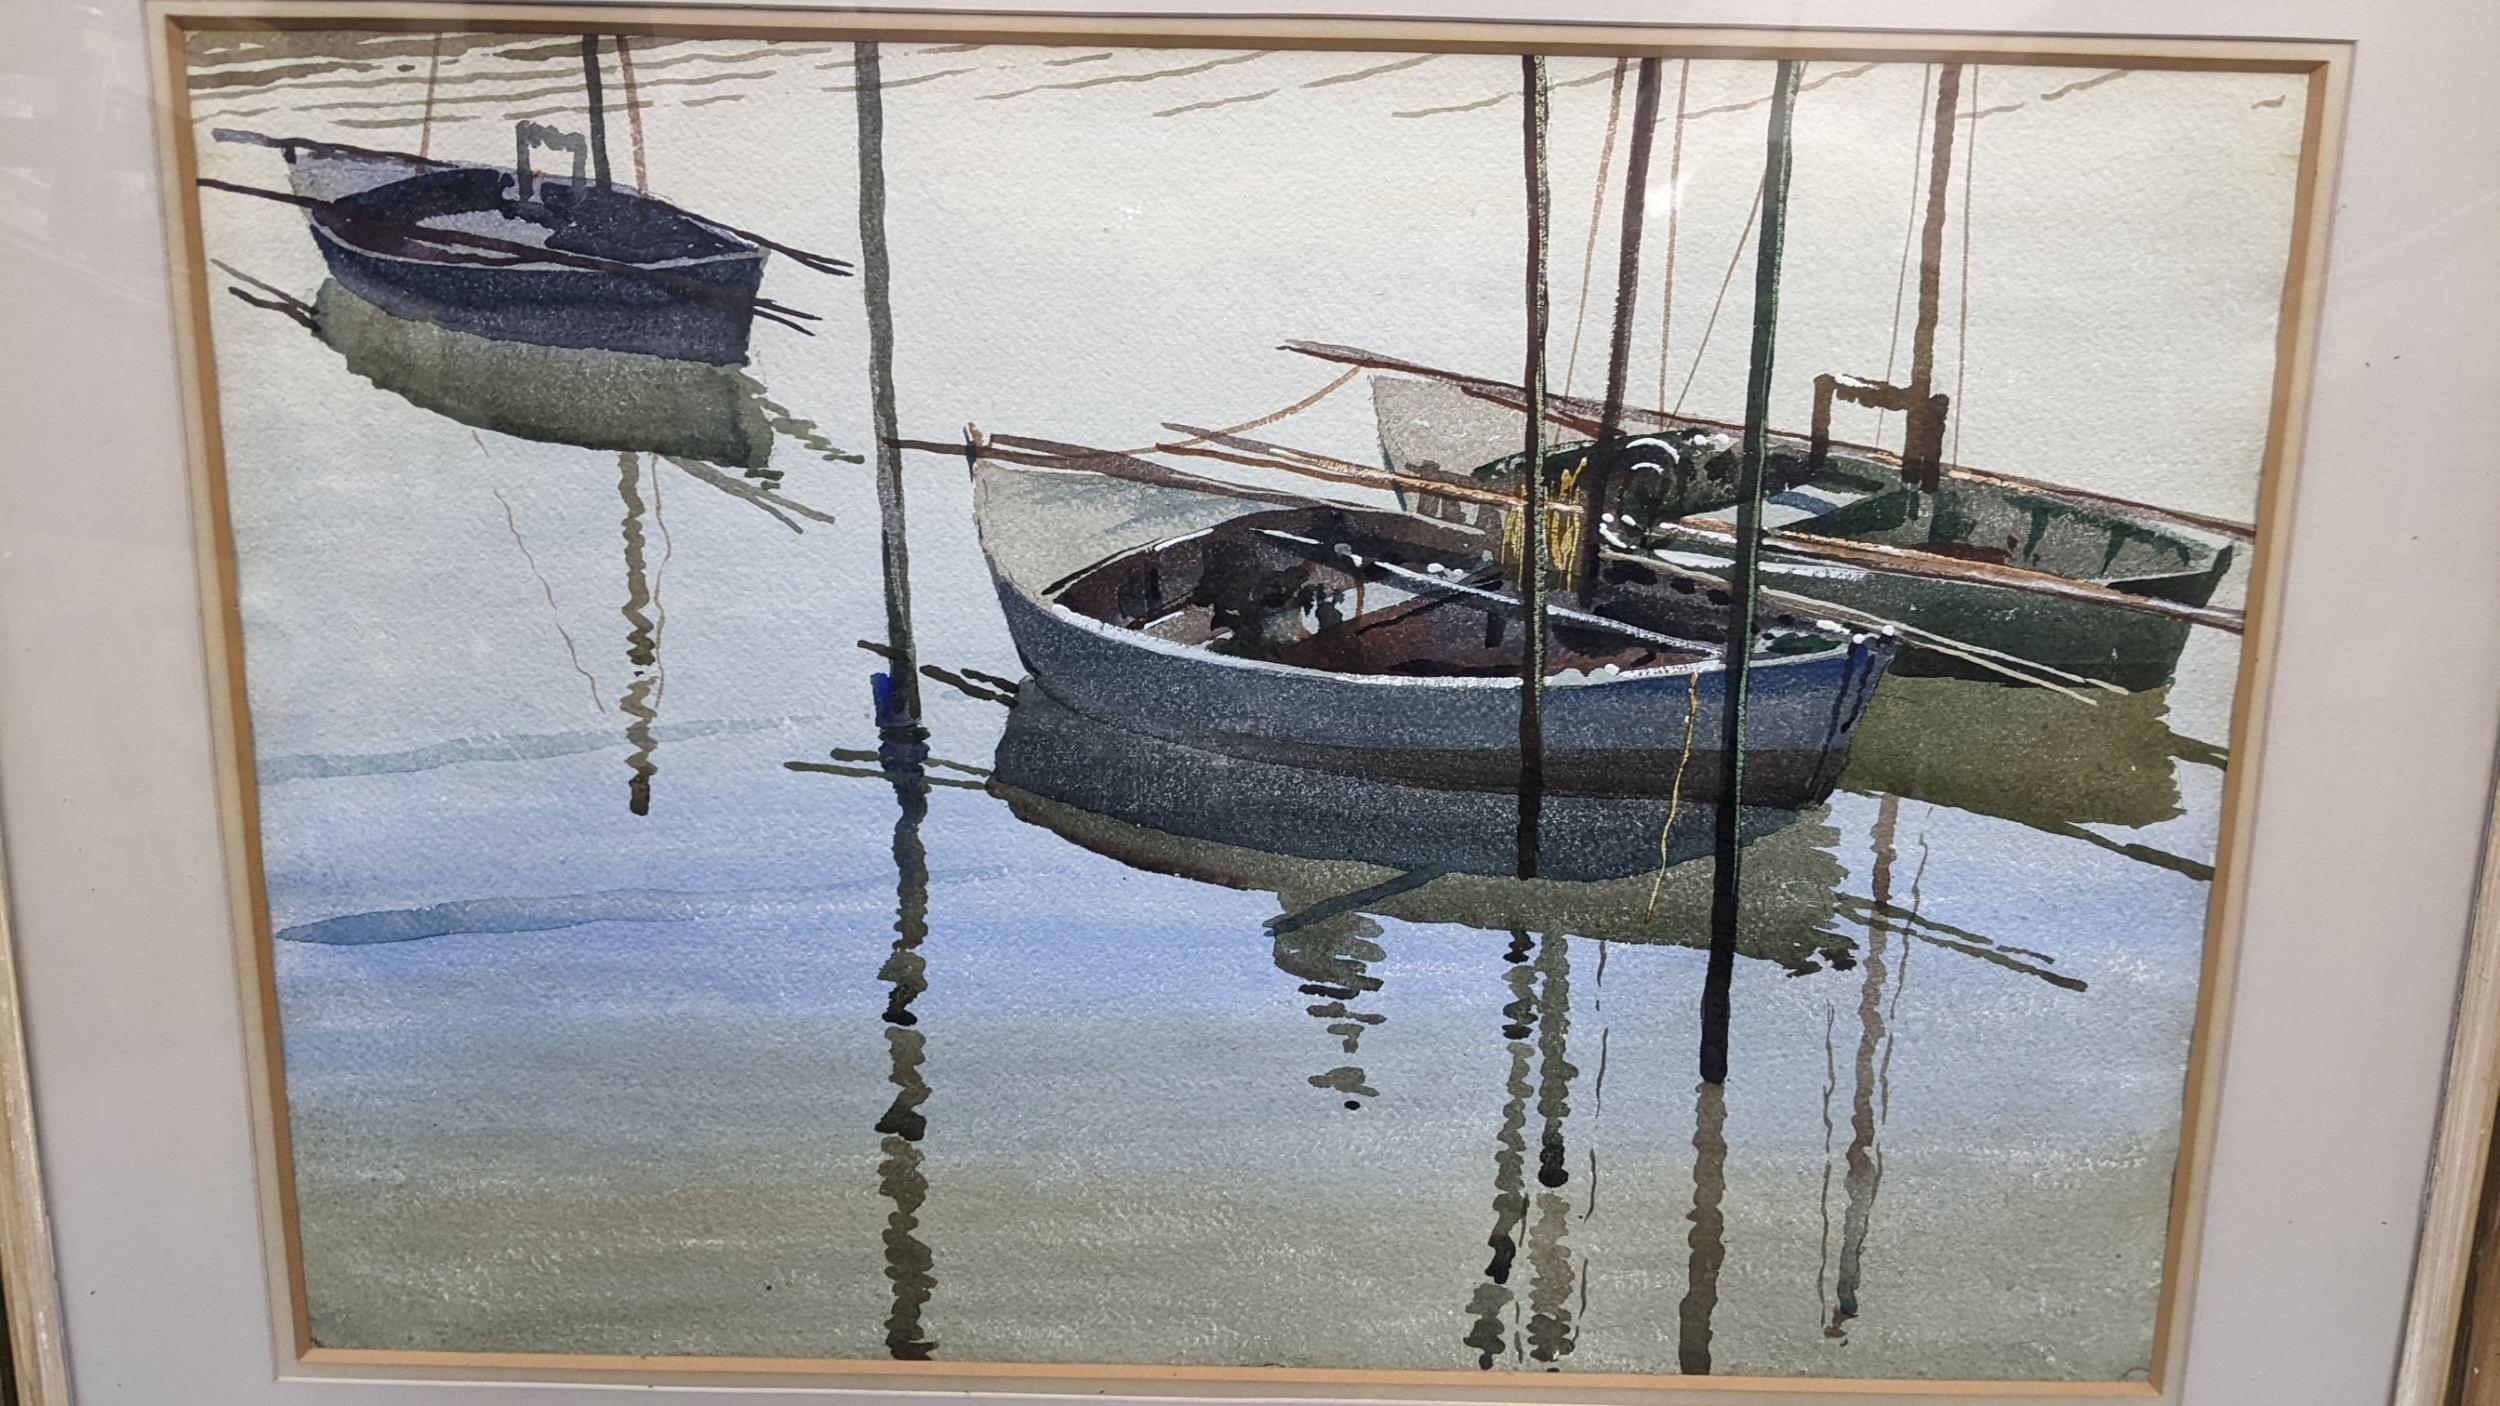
909	1265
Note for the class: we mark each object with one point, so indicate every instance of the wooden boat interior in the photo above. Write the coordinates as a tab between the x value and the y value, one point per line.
1384	594
616	223
2008	526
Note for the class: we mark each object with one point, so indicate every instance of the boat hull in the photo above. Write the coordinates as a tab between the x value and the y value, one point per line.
699	309
1433	429
2131	649
561	307
1620	735
2135	650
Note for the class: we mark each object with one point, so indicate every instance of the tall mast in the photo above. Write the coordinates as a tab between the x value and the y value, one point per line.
1532	510
1619	355
598	110
902	754
1923	443
898	712
1923	410
1744	582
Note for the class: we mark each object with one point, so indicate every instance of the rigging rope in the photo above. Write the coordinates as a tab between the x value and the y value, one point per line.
1597	216
1733	259
1712	323
1305	403
1909	236
1675	207
1961	332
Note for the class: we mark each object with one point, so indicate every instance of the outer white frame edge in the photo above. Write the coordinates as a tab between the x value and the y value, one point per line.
27	1269
2199	1128
2435	1308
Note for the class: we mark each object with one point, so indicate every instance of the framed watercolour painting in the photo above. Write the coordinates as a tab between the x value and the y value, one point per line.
1253	705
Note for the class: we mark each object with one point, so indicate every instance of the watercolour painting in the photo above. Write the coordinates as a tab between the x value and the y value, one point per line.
910	697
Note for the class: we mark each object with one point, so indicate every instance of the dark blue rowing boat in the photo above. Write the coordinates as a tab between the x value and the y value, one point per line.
503	253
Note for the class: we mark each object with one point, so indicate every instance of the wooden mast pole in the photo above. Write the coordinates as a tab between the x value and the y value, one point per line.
1745	579
1532	510
1600	471
1922	446
598	110
898	707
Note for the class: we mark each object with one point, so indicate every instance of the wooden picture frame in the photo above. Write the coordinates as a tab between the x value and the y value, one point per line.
2455	1251
30	1289
2323	67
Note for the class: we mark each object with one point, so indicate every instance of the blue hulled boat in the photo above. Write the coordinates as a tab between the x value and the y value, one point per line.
527	257
1384	645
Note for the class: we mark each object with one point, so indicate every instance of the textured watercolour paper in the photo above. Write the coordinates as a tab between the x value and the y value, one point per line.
955	702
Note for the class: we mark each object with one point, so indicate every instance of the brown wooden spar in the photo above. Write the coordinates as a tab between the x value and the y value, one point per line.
1898	561
1260	454
1586	416
1905	561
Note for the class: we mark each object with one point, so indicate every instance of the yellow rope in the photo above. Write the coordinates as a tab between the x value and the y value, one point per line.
1675	793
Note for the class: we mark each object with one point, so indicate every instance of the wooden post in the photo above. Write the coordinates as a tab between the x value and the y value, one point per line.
1601	467
1532	534
898	712
1922	444
598	110
1745	579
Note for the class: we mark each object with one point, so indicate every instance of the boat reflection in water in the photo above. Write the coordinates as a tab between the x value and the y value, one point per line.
586	396
1340	851
1328	842
2037	758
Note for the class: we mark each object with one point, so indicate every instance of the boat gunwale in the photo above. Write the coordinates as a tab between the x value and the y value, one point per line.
321	228
328	222
1845	639
328	219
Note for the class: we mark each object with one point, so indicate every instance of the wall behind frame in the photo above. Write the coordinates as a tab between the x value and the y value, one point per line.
2386	702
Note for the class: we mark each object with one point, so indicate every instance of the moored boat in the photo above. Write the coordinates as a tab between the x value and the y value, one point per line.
1981	560
1383	645
506	253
